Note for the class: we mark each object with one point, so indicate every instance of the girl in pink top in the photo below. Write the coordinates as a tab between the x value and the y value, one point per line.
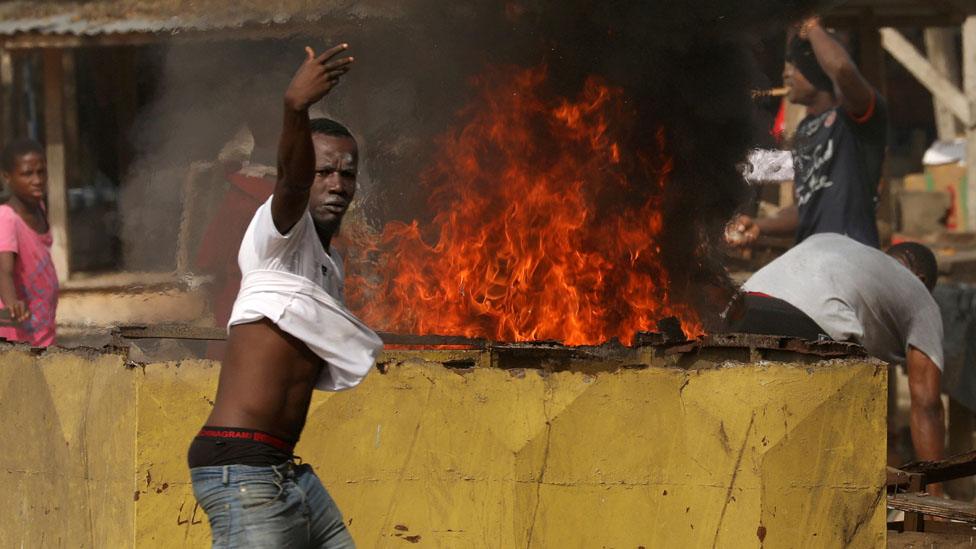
28	283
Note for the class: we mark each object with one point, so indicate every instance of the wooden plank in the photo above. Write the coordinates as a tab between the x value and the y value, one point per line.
957	466
849	20
941	51
934	506
963	7
969	85
187	215
906	54
872	58
6	96
69	111
57	196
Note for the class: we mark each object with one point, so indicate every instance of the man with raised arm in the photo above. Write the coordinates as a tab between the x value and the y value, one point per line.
838	148
289	334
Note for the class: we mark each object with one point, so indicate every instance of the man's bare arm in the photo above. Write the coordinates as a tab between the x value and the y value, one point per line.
927	414
745	230
296	157
856	93
784	222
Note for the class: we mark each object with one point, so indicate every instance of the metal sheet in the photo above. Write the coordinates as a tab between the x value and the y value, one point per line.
134	16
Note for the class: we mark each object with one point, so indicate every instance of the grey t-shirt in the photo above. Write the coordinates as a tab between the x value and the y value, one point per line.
856	293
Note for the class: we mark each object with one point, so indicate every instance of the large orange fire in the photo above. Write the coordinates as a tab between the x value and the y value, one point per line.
540	231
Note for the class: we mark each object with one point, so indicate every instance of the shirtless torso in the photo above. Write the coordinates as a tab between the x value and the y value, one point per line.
266	381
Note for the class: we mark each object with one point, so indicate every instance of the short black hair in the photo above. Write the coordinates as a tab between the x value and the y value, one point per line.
799	52
327	126
17	148
919	259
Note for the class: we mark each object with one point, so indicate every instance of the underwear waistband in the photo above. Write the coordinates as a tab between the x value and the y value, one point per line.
236	433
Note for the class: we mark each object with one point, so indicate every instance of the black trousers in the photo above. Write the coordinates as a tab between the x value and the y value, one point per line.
767	315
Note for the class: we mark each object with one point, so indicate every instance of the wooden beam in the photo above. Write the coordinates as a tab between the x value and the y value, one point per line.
969	85
940	47
961	7
906	54
896	477
935	506
57	193
958	466
851	20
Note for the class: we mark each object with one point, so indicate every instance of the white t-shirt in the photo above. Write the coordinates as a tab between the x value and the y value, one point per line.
299	252
856	293
290	280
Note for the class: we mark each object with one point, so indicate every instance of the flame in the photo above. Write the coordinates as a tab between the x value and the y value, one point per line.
541	232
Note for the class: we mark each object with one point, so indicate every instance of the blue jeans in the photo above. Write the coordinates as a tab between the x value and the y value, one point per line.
279	506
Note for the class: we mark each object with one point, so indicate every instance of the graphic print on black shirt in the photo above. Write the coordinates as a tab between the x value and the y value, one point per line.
837	162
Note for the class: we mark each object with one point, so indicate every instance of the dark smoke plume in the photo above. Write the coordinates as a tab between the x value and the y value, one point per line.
685	65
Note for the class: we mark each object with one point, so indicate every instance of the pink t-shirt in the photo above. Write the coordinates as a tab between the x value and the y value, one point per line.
34	278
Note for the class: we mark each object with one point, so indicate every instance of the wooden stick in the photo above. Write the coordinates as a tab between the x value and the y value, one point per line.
772	92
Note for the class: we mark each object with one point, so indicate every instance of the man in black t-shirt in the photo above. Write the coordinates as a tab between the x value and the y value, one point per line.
838	149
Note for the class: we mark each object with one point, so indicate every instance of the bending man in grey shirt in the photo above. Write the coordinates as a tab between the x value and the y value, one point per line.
838	287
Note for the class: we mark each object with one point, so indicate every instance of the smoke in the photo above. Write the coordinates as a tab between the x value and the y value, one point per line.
685	66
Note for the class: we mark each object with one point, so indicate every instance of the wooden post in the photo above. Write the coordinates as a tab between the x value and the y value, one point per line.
6	95
57	195
871	58
69	111
941	53
6	106
969	88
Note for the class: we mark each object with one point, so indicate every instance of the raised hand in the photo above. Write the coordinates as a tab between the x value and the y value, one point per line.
809	23
316	77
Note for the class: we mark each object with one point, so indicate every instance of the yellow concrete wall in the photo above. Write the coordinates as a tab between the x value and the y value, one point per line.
767	455
66	450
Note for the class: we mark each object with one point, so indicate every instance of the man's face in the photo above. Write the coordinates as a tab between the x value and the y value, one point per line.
28	178
802	92
336	166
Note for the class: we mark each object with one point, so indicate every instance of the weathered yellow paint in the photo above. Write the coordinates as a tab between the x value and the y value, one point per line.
66	433
485	457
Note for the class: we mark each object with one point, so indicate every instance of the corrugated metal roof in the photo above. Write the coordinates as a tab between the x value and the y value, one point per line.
103	17
109	17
